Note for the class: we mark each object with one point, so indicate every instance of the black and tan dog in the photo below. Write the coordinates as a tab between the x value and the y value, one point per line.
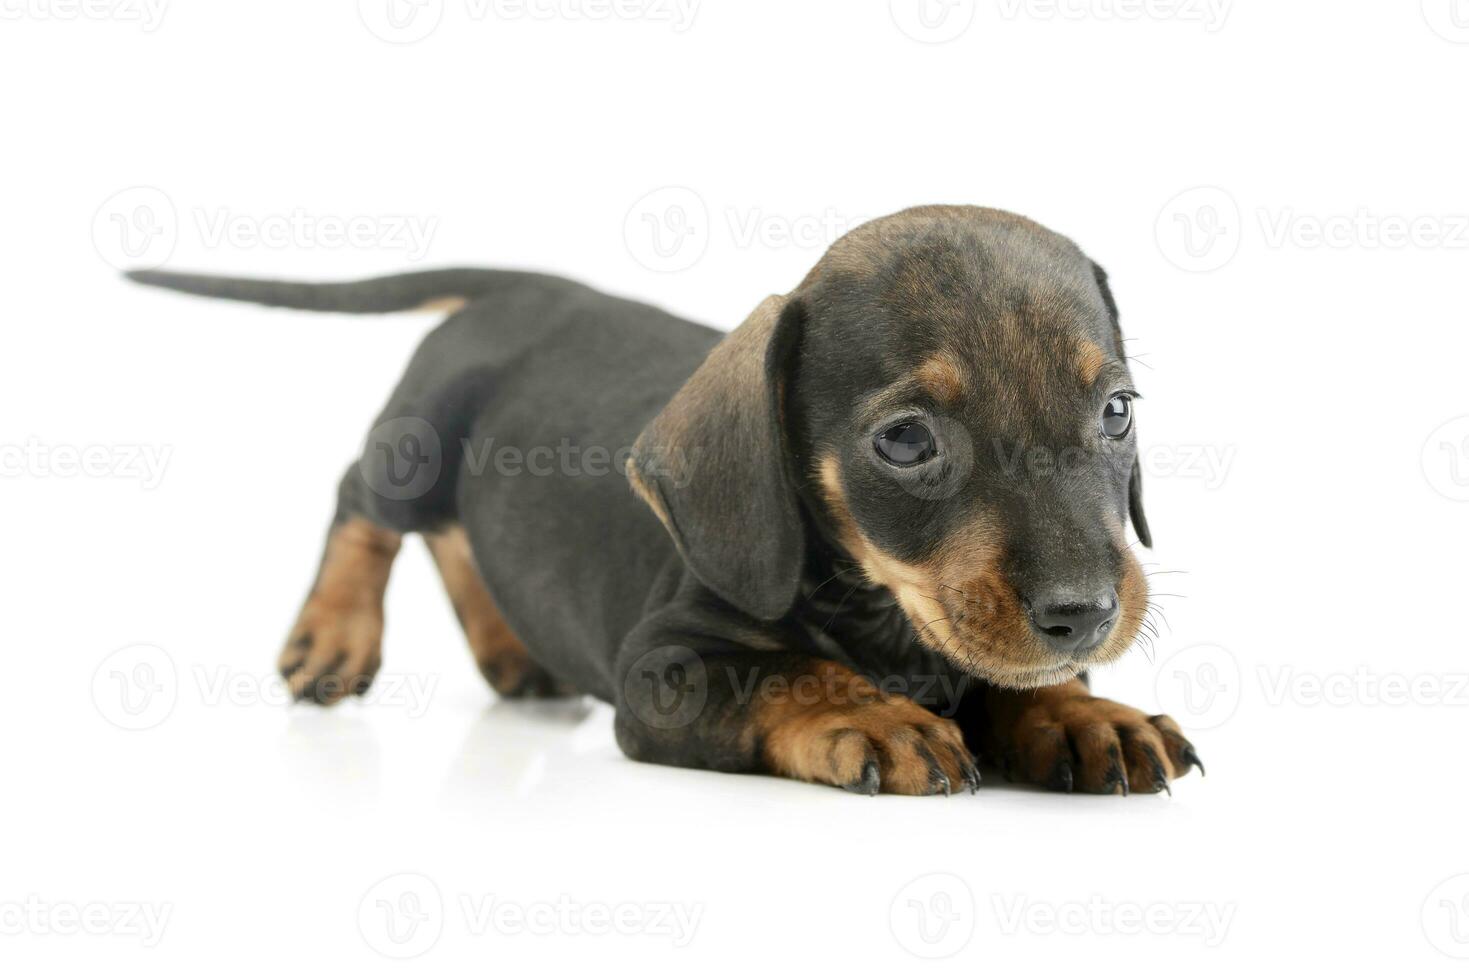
877	528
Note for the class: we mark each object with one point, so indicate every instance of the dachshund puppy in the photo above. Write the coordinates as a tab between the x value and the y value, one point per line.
873	532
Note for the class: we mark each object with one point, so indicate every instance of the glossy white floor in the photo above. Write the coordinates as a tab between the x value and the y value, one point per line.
169	468
254	830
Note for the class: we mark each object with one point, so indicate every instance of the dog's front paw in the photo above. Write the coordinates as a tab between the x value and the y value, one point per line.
1064	739
333	651
856	738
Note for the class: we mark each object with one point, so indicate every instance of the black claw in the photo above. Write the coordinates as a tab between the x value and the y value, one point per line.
971	777
1117	772
870	782
1160	779
1061	778
360	686
1192	758
1116	776
938	782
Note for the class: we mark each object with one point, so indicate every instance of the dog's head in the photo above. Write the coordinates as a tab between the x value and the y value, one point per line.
945	399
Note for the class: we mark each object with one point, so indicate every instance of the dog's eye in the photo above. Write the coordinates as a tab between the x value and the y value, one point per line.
906	444
1117	417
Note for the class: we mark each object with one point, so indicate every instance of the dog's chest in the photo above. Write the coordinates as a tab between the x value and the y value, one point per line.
842	611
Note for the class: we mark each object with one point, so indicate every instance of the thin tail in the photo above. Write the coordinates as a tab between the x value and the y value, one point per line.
438	289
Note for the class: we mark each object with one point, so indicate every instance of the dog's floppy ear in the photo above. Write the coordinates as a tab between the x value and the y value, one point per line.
1135	505
712	466
1135	482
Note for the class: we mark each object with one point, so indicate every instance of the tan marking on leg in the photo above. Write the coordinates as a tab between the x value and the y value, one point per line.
830	725
501	656
335	648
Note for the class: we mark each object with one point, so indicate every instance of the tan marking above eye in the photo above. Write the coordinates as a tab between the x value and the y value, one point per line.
1089	361
944	377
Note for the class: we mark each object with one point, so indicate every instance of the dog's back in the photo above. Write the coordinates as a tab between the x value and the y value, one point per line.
513	421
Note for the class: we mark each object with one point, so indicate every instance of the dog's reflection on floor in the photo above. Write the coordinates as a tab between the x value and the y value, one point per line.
336	753
512	745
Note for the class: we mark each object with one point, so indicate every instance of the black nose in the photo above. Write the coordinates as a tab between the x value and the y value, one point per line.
1074	624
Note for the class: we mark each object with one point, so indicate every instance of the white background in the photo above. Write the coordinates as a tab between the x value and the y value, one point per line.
1315	557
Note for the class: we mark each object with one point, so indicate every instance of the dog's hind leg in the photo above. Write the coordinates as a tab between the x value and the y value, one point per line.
335	648
501	657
